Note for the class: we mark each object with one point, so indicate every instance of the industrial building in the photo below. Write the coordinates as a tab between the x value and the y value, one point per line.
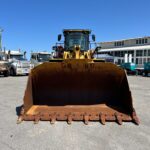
136	50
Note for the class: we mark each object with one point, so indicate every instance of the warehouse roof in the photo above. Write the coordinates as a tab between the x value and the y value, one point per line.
125	39
126	48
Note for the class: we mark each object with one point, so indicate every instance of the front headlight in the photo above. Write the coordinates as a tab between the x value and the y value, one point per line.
31	66
3	66
18	66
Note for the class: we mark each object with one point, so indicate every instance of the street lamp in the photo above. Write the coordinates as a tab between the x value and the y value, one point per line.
1	30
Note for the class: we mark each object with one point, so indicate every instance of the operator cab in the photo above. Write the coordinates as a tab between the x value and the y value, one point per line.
76	37
73	38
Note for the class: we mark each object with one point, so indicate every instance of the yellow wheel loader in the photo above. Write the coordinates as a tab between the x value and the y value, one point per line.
74	86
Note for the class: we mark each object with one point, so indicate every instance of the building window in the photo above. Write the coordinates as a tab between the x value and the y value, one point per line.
120	43
122	54
149	52
119	61
111	53
117	54
139	53
138	60
141	41
145	52
132	59
144	60
131	52
148	59
125	52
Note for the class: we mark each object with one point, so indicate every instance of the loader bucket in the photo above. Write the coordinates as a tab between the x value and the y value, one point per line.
74	90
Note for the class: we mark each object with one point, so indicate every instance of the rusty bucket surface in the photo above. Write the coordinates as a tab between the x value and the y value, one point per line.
78	90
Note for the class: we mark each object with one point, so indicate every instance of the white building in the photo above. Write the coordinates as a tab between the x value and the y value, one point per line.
138	48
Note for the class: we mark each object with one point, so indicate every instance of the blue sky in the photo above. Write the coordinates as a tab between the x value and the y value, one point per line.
35	24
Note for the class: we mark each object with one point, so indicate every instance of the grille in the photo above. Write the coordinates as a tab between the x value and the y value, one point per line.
25	65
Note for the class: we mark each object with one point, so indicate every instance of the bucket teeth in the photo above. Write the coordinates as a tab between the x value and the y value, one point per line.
102	119
135	118
53	119
36	122
118	118
86	119
36	119
69	119
19	120
22	110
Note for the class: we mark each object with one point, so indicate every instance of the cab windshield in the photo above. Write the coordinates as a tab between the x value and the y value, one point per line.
2	58
76	38
17	57
43	57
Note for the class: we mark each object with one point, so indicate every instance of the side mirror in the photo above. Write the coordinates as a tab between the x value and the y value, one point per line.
4	50
9	54
54	48
38	56
25	54
93	37
98	48
59	37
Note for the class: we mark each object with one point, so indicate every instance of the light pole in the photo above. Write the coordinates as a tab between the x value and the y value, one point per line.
1	30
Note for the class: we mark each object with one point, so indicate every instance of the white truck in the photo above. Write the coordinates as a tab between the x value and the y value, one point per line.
4	65
38	58
19	65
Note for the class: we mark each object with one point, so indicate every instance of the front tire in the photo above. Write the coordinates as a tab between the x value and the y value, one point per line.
146	73
12	72
6	73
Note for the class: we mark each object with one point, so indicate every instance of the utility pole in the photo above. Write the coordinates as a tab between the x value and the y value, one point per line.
1	30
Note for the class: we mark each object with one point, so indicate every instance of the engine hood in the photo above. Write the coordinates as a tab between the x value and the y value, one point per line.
4	63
